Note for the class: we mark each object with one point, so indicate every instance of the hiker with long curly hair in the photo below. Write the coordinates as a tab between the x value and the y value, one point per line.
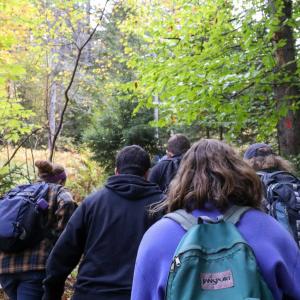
261	157
281	186
212	181
22	272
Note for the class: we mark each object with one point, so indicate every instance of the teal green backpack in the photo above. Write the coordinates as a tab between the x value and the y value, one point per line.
213	261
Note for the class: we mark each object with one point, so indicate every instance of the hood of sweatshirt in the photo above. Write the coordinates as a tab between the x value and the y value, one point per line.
132	187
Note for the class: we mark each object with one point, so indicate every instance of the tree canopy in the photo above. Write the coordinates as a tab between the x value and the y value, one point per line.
213	62
104	74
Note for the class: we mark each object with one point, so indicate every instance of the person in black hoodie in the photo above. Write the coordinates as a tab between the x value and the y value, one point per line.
165	170
105	231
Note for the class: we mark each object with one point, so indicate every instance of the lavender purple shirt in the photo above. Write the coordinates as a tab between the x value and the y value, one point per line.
276	252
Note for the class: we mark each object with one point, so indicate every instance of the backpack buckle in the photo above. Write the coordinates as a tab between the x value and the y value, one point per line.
205	219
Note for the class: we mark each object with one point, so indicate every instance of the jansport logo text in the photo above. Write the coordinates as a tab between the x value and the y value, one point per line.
216	281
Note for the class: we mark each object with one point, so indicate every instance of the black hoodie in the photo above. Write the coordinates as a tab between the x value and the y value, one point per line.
106	229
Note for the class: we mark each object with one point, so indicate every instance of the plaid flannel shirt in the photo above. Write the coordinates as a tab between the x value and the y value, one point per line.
61	207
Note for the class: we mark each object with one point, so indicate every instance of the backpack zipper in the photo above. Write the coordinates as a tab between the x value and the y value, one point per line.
176	260
175	264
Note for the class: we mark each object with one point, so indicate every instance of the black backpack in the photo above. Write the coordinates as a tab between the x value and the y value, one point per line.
169	172
282	199
23	213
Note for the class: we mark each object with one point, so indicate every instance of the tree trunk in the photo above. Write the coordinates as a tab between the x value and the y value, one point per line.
207	133
221	132
11	89
288	127
88	50
52	113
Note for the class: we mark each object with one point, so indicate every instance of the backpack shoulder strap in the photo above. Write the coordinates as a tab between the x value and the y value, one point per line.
55	187
177	161
281	172
234	213
183	218
285	173
266	177
42	188
165	164
273	174
261	173
187	220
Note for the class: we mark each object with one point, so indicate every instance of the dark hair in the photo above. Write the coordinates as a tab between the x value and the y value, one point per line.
178	144
133	160
212	171
50	172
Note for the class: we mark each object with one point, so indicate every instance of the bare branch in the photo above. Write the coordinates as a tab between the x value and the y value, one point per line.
80	49
20	145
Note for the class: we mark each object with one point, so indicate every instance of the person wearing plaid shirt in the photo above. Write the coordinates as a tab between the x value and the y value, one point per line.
22	273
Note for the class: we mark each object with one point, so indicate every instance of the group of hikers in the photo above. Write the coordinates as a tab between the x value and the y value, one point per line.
197	225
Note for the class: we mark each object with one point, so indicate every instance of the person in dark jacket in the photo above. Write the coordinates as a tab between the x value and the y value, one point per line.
106	231
165	170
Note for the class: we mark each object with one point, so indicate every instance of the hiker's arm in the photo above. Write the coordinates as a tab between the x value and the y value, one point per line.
154	259
297	276
276	252
146	276
291	288
65	255
65	208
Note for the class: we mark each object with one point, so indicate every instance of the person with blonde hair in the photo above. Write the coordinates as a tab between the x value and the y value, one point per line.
281	186
210	180
260	156
22	273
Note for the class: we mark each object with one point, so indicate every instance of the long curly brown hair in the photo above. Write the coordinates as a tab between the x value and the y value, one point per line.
212	172
266	159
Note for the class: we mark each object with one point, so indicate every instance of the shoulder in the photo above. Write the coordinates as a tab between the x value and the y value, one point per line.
162	228
162	238
59	192
65	195
276	252
87	207
159	168
265	234
260	222
97	199
162	164
154	258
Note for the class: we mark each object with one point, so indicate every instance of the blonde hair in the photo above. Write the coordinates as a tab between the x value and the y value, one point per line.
269	161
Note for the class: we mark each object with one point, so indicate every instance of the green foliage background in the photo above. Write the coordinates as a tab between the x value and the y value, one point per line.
210	62
208	66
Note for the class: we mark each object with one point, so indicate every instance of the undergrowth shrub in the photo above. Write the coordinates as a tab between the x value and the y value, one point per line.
83	174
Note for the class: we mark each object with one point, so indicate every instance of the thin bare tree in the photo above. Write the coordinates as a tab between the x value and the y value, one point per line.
66	93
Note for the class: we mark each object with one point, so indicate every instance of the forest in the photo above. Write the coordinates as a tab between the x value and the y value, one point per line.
80	79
